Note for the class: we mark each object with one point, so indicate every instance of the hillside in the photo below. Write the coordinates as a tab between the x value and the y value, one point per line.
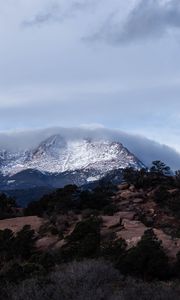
133	228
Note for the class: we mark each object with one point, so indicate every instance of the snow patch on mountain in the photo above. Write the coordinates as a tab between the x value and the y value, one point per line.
58	155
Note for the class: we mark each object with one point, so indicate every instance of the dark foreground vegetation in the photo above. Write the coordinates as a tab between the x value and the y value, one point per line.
91	263
91	280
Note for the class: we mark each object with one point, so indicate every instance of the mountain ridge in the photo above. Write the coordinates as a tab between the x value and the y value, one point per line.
57	162
145	149
57	155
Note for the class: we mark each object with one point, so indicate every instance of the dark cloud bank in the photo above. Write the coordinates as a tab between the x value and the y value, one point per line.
146	150
149	19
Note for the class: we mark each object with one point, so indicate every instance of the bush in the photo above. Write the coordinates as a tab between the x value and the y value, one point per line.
147	259
59	201
174	205
159	173
7	206
47	260
113	250
19	246
12	272
139	290
7	240
24	243
162	196
177	265
110	209
89	280
96	199
84	241
138	178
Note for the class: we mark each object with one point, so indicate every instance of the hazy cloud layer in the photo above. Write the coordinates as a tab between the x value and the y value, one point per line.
145	149
57	12
149	19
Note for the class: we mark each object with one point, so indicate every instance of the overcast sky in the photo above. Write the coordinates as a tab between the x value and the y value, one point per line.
113	63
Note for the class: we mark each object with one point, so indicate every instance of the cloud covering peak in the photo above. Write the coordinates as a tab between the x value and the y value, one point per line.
145	149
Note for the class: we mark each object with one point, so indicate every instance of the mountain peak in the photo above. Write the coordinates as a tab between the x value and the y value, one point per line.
57	154
51	146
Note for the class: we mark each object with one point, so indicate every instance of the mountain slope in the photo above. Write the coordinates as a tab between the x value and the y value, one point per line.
57	162
57	155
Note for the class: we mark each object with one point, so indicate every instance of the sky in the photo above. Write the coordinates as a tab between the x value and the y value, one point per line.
91	63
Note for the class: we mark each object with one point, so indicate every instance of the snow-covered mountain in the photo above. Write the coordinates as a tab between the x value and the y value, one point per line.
58	155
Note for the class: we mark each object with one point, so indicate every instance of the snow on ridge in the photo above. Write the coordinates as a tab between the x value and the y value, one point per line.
57	155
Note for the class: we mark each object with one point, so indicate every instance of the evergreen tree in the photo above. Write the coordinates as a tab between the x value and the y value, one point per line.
147	259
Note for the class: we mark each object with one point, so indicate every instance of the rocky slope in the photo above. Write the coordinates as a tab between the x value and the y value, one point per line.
136	211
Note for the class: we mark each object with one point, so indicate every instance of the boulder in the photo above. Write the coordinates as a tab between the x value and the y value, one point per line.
171	245
112	221
132	232
124	203
173	191
127	194
123	186
46	243
138	201
132	188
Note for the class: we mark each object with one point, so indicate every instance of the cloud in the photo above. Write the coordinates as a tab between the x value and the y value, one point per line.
149	19
92	126
145	149
58	13
52	13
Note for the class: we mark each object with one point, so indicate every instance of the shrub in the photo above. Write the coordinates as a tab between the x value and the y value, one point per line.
92	280
113	250
96	199
177	265
24	243
47	260
147	259
7	240
59	201
162	196
110	209
84	241
174	205
139	290
7	205
12	272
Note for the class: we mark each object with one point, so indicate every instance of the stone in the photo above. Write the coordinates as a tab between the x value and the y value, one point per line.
127	194
132	188
123	186
132	232
125	202
138	200
173	191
